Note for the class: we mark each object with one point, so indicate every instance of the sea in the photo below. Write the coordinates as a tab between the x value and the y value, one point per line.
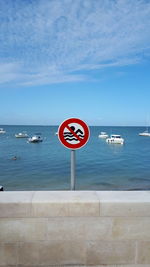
99	166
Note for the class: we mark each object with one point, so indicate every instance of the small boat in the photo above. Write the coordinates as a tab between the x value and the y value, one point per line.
21	135
115	139
103	135
1	188
2	131
35	139
145	133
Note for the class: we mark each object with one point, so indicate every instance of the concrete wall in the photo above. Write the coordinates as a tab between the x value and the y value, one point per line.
75	228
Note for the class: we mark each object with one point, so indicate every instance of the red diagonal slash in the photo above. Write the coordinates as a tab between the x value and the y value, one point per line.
79	139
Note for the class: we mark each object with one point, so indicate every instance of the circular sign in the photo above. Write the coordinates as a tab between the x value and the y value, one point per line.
73	133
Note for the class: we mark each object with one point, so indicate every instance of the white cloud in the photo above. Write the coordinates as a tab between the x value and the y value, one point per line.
47	41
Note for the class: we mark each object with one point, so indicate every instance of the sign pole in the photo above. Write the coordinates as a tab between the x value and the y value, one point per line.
73	133
73	162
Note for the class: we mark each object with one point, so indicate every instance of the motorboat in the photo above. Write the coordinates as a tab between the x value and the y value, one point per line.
1	188
2	131
21	135
115	139
103	135
35	139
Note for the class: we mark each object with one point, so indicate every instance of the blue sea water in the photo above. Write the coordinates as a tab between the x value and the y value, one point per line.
99	166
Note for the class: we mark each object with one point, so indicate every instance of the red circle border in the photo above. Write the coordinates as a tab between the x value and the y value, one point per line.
83	141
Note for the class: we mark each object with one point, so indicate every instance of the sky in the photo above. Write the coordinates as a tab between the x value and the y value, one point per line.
88	59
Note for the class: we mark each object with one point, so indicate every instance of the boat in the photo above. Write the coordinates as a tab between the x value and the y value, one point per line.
21	135
1	188
115	139
35	139
103	135
145	133
2	131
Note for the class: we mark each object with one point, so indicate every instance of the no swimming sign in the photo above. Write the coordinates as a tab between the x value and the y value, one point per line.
73	133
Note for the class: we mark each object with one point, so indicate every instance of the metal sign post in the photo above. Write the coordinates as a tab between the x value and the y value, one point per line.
73	133
73	163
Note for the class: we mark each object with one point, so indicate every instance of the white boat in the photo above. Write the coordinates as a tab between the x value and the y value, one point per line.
35	139
145	133
103	135
115	139
21	135
2	131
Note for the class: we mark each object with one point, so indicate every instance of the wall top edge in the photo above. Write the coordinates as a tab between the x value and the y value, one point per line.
75	196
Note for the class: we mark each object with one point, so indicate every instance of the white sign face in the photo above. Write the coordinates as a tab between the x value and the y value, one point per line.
78	131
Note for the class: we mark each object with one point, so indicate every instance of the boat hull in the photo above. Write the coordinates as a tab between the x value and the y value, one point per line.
35	141
144	134
103	136
115	141
17	136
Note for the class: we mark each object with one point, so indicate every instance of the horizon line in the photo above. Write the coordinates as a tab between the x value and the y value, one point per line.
46	125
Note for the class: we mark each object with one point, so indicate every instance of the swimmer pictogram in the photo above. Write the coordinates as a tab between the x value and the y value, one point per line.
73	133
76	136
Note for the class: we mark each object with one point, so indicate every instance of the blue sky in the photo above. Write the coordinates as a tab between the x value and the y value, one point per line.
75	58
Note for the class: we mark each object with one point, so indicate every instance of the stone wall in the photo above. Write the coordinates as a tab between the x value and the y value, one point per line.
104	228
